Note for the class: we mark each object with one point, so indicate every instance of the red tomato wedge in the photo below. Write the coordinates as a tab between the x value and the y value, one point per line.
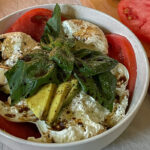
21	130
121	50
32	23
136	15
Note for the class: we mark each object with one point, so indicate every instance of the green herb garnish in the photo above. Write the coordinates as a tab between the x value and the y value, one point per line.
58	62
29	74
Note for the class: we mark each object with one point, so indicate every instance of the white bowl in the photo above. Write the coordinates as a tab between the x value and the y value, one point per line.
108	24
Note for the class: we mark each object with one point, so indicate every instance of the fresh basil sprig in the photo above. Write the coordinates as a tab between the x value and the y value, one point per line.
29	74
93	64
58	62
53	25
93	73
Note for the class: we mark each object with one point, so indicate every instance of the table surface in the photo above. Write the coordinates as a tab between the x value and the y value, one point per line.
137	136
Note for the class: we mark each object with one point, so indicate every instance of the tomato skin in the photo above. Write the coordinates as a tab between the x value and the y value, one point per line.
32	22
121	50
21	130
135	14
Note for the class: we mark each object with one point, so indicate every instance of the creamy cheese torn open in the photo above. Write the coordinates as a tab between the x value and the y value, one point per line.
15	45
87	33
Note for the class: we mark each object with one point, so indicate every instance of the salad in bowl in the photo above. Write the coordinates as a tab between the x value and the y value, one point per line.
63	80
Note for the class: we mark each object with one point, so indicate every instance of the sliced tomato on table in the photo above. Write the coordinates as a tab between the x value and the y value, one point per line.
136	15
32	22
121	50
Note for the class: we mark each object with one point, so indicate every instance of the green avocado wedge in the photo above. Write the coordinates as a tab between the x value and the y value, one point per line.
75	88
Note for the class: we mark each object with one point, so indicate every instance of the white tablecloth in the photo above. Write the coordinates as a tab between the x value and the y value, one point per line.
136	137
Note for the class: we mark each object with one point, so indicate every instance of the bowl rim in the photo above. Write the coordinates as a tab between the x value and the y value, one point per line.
124	120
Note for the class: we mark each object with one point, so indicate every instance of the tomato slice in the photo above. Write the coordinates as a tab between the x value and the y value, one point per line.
136	15
121	50
21	130
32	22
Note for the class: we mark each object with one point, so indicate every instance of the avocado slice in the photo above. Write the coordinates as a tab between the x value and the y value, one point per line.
40	102
57	103
73	92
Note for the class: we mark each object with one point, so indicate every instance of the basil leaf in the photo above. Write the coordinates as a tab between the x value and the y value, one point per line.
107	83
85	53
52	30
102	88
89	86
94	65
29	74
64	59
53	25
